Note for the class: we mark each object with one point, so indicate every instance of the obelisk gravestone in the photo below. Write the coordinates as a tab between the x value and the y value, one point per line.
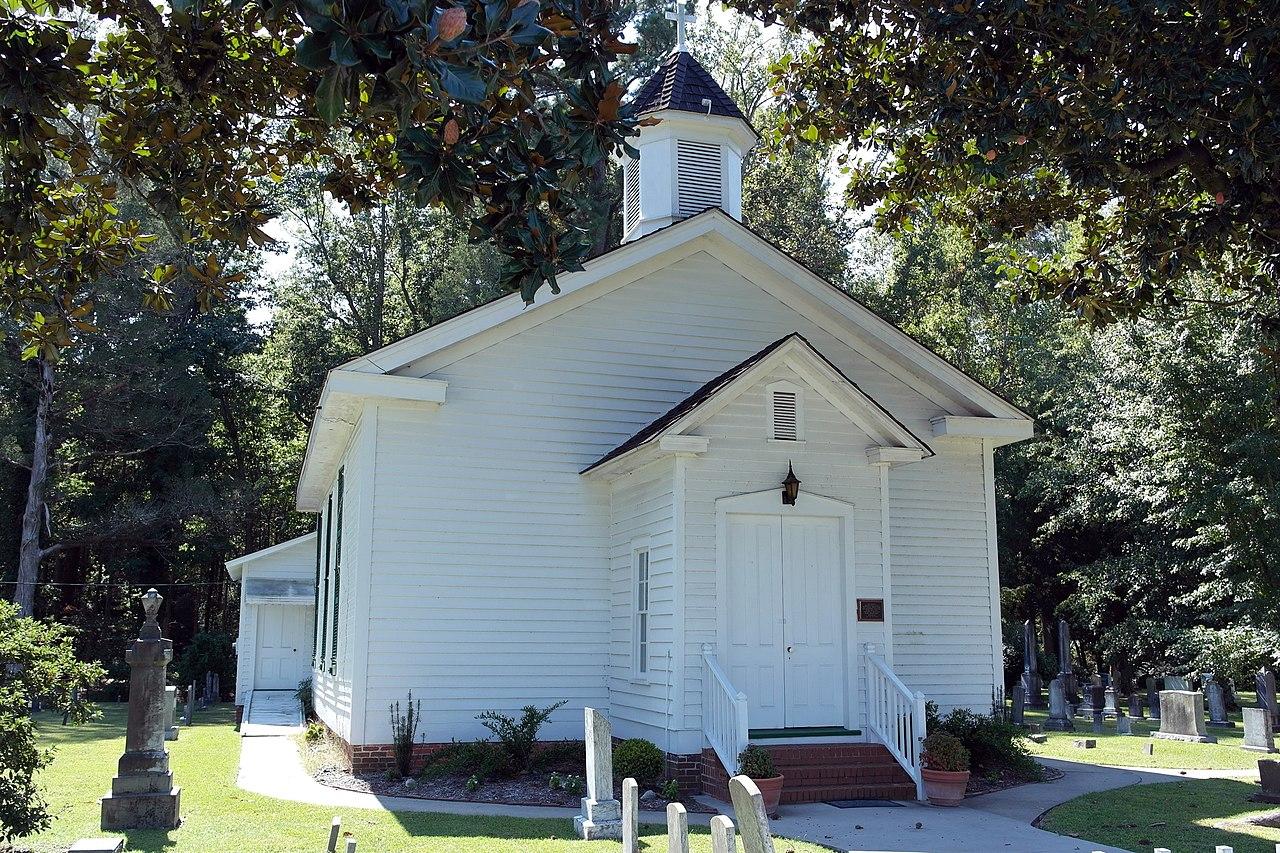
1031	666
601	814
142	794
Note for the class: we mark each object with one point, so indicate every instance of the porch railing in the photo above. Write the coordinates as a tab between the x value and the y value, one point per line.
896	715
724	712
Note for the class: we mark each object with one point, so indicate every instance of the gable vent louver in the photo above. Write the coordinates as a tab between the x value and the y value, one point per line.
786	416
630	193
698	177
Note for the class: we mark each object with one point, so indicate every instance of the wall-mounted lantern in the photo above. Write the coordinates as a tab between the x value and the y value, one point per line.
790	487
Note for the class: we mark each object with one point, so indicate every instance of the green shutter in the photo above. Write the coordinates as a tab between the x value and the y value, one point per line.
337	575
315	611
328	558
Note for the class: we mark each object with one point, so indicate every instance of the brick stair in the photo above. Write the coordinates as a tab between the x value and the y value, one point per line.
818	773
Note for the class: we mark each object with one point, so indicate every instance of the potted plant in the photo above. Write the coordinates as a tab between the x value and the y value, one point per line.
756	763
946	769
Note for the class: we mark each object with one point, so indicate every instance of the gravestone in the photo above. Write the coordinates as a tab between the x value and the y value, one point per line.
601	814
1217	704
142	794
1258	734
191	705
1084	743
1265	684
630	816
723	838
1269	776
1059	714
1072	689
1135	703
1109	703
1019	704
1179	683
677	828
1097	700
753	822
1123	726
98	845
1086	706
171	707
1031	682
1153	697
1182	717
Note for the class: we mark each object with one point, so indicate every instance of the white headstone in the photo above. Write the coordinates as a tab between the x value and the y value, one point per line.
722	835
1258	734
1182	717
601	814
630	816
677	829
753	821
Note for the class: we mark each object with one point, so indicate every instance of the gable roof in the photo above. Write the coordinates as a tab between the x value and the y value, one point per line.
681	83
237	566
742	375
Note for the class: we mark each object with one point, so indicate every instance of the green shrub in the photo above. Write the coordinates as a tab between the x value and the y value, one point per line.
943	751
404	733
574	751
638	759
481	758
995	746
518	738
314	732
670	790
757	763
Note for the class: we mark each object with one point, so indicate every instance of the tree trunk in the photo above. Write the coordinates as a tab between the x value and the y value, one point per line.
30	551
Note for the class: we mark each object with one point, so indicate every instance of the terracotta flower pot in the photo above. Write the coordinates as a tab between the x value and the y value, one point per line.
771	791
945	787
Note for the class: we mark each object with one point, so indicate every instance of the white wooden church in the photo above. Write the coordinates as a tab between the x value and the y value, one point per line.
700	488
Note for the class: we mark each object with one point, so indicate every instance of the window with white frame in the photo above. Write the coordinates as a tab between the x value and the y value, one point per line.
786	416
641	629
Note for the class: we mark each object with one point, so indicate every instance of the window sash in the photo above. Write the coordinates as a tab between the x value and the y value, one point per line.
640	630
337	575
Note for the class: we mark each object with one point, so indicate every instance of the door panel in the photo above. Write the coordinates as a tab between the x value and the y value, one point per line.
283	646
813	597
755	655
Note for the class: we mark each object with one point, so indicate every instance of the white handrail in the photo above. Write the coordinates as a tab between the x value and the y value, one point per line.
724	713
896	715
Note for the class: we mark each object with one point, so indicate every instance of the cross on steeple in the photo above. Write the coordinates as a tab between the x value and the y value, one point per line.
681	17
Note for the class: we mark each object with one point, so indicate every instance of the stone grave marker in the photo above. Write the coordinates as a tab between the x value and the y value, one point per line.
1269	776
1019	704
1182	717
753	822
1084	743
98	845
1258	733
677	829
1123	726
630	816
601	814
1059	714
1265	683
1064	661
1135	703
1176	682
142	794
171	709
1217	704
1148	749
1031	681
1153	697
191	705
722	835
1109	702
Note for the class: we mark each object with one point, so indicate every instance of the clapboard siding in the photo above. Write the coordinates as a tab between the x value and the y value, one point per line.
500	577
942	603
830	462
642	509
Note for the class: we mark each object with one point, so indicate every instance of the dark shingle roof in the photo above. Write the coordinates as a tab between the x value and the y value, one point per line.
680	83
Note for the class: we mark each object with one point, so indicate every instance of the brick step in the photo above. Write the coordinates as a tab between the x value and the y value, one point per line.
824	794
828	752
823	772
843	774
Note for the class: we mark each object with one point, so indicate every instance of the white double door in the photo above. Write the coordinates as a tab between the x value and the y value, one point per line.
283	653
785	631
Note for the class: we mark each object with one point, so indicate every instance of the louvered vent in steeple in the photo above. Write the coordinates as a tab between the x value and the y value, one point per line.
630	193
698	177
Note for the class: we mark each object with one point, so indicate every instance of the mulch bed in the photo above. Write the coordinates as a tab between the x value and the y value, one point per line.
979	786
529	789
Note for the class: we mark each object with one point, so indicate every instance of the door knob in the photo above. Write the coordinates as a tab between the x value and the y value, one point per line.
789	649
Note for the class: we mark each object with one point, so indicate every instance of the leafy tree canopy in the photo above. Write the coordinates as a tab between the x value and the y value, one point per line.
199	108
1154	127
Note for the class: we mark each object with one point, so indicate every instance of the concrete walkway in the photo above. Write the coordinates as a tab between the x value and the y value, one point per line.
272	713
272	767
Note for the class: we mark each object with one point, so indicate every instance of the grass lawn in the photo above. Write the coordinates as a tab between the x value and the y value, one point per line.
218	817
1126	750
1187	817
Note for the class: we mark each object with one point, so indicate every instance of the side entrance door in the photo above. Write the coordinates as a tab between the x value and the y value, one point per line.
785	626
283	646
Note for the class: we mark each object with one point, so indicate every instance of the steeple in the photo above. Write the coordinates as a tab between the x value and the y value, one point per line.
692	159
